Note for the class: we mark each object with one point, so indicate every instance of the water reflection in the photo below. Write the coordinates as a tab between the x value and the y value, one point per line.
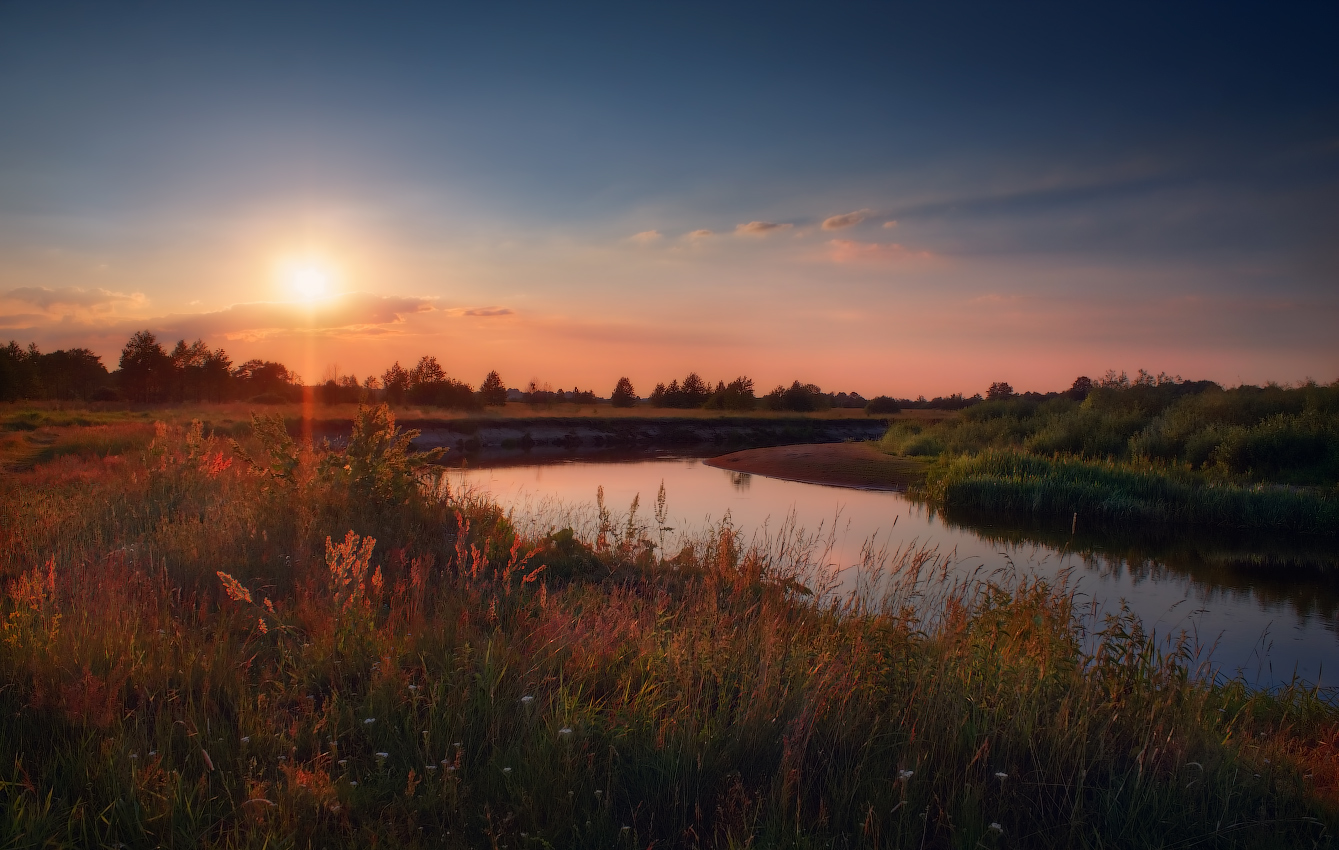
1268	605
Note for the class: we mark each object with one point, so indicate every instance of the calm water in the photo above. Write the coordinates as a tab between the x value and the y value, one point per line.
1267	607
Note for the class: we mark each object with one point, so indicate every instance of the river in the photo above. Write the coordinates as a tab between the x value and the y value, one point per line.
1264	610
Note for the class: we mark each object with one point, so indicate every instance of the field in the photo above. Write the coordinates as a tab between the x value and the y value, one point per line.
263	645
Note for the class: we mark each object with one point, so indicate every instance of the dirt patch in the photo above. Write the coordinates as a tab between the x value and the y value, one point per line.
858	465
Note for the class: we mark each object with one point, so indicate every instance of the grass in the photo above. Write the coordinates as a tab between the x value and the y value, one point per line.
196	654
1110	493
1168	453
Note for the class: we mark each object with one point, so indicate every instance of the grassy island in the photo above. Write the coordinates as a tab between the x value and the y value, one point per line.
1161	453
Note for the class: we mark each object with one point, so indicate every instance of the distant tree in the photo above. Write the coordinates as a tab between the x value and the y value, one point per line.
396	382
736	395
492	392
264	378
798	397
146	369
1081	387
882	404
623	395
428	384
999	391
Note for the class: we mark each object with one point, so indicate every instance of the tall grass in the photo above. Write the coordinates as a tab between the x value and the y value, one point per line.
201	652
1112	493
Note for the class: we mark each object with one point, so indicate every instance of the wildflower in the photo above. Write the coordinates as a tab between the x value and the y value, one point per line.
246	739
369	721
152	753
1001	775
382	755
353	782
527	699
283	758
343	762
506	770
564	732
413	687
995	827
598	792
904	775
456	745
451	768
134	755
430	766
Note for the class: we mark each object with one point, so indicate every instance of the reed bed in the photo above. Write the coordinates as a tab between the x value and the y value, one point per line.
1121	493
304	651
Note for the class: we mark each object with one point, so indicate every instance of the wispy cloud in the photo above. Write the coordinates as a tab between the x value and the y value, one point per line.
837	222
489	311
646	237
759	228
699	234
851	251
889	225
69	297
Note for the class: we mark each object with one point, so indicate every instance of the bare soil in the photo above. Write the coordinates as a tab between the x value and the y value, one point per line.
858	465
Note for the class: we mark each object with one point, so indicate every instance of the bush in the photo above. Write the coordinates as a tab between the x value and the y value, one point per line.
882	404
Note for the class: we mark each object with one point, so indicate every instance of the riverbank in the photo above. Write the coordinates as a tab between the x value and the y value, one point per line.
853	464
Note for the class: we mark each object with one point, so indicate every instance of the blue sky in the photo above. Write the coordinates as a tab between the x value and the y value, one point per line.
1023	192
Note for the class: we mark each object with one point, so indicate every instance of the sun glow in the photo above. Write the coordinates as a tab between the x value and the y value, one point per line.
307	279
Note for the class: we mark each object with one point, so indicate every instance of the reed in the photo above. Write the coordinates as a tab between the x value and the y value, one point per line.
1105	492
201	652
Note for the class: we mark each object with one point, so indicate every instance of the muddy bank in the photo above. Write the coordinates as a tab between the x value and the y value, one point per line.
500	438
838	464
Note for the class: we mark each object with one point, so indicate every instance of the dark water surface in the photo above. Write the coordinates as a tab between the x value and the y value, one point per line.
1266	607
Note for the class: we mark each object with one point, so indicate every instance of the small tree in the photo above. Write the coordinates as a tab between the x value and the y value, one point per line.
492	391
146	369
999	391
396	381
623	395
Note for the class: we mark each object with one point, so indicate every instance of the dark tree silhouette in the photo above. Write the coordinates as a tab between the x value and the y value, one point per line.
623	395
147	372
492	391
396	382
999	391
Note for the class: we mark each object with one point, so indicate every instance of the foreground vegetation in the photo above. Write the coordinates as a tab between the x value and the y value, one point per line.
261	644
1154	452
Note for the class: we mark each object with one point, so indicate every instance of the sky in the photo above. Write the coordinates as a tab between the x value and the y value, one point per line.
875	197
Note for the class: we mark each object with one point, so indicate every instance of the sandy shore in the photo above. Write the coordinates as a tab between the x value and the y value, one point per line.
857	465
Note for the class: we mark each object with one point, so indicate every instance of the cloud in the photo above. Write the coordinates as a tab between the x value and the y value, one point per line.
699	234
851	251
759	228
361	312
489	311
646	237
69	297
837	222
889	225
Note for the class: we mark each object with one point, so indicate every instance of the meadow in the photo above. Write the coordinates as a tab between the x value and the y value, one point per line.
1163	453
233	639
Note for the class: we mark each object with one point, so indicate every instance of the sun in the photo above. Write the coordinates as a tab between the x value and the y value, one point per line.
308	280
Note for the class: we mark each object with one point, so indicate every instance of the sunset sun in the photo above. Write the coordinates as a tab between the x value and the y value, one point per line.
308	280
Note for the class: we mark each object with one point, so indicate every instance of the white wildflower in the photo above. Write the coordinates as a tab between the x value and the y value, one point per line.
904	775
369	721
1001	775
995	827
